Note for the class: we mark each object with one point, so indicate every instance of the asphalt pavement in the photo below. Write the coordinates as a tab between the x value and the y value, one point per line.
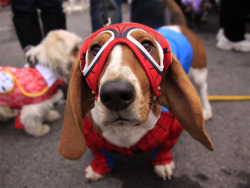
28	162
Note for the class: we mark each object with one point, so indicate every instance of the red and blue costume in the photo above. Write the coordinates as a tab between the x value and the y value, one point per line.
160	140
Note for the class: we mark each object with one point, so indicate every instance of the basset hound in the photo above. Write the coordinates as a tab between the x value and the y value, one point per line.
127	72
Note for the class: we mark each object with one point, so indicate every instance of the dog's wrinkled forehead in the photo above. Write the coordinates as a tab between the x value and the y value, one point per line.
121	33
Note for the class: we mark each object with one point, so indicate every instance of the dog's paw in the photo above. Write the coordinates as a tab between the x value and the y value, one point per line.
6	113
165	171
38	130
90	175
52	115
207	115
43	130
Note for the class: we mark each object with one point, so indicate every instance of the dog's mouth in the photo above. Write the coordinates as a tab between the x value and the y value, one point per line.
127	117
122	121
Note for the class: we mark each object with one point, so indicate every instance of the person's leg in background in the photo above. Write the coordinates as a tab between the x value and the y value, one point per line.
235	21
25	20
233	17
148	12
119	6
101	9
52	15
53	18
222	20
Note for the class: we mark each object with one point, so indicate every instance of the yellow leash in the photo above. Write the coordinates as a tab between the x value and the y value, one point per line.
228	98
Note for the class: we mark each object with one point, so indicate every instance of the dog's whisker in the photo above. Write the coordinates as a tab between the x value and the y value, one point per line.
90	100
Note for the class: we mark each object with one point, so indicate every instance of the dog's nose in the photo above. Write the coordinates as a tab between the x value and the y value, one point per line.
117	95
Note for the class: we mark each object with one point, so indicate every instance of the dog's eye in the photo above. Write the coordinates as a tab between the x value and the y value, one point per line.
147	45
95	49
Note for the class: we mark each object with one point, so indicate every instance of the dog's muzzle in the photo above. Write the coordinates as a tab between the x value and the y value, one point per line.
117	95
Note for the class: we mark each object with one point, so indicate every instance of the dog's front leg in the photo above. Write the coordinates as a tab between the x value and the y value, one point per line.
32	117
35	127
90	175
101	165
165	171
163	164
162	158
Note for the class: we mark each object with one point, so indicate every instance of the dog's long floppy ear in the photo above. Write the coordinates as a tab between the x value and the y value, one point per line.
78	104
179	96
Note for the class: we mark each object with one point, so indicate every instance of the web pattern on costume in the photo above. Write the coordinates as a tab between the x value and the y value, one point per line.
160	140
120	33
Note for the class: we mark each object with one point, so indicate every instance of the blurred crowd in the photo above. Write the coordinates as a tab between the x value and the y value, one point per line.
231	35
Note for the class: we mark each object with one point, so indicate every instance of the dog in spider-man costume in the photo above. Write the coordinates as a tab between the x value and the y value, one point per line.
127	72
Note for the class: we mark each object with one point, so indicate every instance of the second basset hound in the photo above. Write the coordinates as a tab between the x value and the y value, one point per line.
190	51
126	73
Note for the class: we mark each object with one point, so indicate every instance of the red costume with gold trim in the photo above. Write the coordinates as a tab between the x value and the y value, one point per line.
24	86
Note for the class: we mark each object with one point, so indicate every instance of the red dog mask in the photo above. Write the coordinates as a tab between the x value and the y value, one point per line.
120	33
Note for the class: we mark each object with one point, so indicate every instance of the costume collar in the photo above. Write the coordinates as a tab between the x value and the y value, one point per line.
47	74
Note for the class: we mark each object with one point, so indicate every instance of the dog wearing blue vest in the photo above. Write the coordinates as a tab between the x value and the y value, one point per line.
190	52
